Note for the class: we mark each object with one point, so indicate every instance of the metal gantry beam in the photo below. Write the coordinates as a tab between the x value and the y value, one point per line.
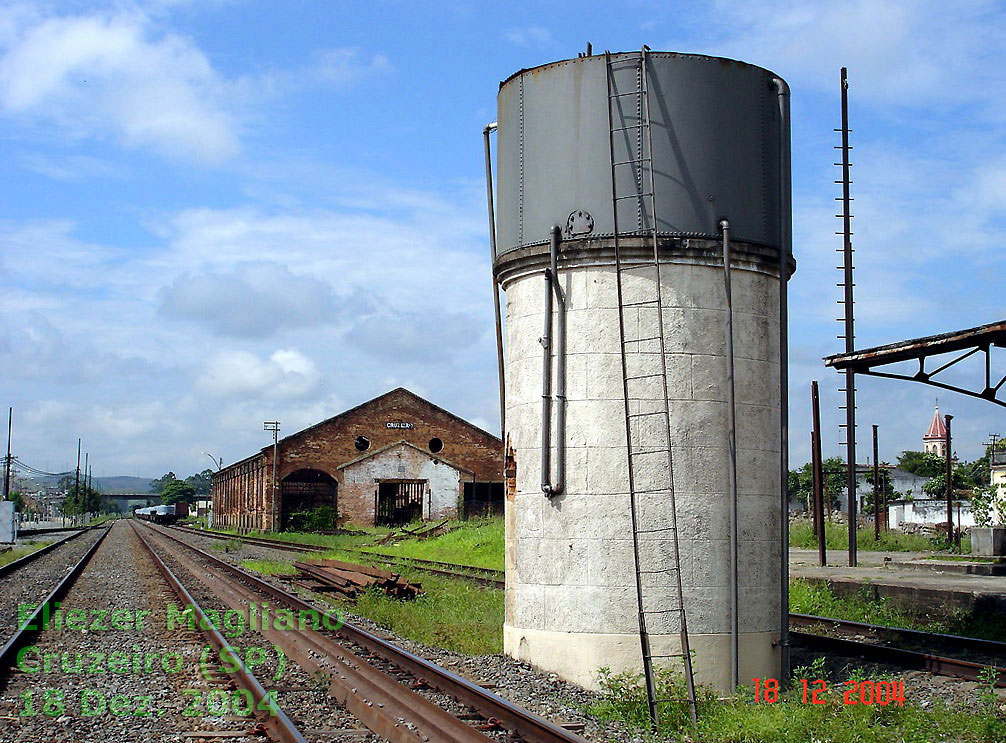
965	343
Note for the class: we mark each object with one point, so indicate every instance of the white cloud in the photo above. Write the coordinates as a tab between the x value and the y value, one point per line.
430	335
116	75
346	65
72	167
254	300
529	36
286	373
901	53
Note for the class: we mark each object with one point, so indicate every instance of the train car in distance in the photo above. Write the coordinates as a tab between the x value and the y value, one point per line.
163	514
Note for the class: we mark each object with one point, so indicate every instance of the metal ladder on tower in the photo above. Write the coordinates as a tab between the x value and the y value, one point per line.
660	488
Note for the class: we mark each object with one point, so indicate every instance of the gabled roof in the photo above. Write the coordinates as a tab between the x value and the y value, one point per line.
400	442
396	391
936	428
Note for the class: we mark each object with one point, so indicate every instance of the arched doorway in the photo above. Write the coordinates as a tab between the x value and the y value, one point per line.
306	490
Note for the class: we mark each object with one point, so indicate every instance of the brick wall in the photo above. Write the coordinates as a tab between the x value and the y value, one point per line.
243	501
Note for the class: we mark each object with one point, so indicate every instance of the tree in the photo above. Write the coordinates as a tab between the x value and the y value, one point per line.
883	487
921	464
937	487
201	482
800	482
84	500
178	490
157	486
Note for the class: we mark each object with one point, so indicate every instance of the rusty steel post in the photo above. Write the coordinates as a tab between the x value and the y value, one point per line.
876	488
816	466
6	473
950	483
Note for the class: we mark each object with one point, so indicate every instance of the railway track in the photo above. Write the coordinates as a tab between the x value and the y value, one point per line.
832	635
483	576
32	556
845	640
264	717
270	717
373	678
24	632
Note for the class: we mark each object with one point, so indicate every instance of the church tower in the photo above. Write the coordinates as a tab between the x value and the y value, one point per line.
935	439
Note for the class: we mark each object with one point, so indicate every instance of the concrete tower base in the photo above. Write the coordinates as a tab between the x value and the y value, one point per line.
571	602
577	656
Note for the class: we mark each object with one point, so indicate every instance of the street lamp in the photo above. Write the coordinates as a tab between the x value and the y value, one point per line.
219	465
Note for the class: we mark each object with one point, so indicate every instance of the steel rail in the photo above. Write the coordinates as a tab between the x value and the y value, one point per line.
495	709
22	561
276	721
432	566
382	703
489	576
262	541
32	625
992	647
939	665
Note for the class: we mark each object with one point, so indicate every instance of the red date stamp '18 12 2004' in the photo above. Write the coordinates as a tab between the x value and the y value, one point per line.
881	693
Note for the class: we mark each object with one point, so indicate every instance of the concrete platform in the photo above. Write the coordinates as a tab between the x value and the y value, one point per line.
901	580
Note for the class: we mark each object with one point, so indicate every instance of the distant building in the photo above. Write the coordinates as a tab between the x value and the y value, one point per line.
391	460
935	439
903	483
997	467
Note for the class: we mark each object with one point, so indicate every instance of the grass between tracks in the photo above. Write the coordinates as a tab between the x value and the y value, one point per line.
18	552
477	542
465	617
790	720
836	537
452	614
807	597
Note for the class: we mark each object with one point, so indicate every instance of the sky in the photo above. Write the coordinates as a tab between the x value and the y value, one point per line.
215	213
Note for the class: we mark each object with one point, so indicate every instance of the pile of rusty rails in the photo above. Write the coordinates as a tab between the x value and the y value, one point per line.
843	637
474	573
348	579
32	556
372	678
27	629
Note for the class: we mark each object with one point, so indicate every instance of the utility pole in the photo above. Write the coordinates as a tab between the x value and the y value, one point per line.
7	462
849	333
876	488
274	427
816	465
76	481
950	483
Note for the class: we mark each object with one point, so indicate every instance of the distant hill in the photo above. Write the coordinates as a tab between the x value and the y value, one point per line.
123	484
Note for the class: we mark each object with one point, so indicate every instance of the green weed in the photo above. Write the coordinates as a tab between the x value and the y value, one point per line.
806	597
836	537
789	720
269	567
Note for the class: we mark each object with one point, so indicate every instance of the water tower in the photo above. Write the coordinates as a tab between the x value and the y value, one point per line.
643	231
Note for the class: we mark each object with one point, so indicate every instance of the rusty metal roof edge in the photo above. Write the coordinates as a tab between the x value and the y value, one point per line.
969	336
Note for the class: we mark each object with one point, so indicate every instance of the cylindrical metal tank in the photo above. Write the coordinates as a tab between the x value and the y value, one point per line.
720	151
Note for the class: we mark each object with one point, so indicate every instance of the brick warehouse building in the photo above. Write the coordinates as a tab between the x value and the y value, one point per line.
390	460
